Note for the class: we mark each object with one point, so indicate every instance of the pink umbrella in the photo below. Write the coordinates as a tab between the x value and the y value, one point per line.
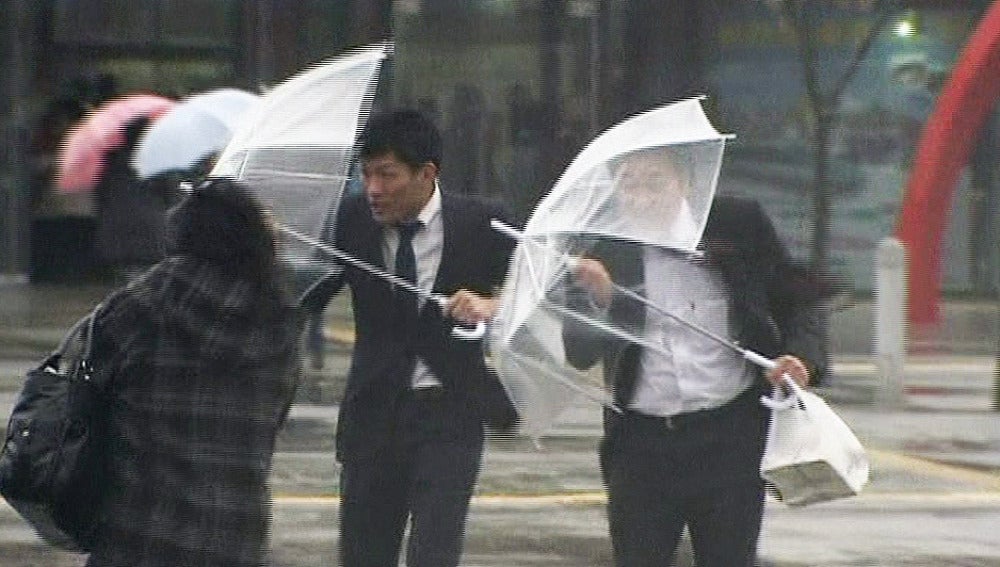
81	157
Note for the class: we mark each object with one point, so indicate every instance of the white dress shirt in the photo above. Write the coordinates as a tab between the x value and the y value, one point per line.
427	245
693	372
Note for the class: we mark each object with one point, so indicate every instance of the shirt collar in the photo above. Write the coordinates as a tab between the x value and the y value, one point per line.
432	208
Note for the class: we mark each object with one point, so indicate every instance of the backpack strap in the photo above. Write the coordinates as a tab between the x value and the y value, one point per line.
75	330
82	331
88	348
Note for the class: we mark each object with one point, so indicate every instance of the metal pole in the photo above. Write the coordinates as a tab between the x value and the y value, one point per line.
890	321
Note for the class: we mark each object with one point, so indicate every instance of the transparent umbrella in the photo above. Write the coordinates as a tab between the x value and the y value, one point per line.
294	152
294	148
646	182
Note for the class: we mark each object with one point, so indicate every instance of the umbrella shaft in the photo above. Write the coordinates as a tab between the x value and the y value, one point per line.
754	357
346	258
750	355
694	327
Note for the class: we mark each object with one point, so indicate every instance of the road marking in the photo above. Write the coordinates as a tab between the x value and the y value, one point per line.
958	473
989	481
965	498
559	498
957	364
341	335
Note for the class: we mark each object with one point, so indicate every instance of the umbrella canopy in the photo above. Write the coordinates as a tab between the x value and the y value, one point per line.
195	128
81	156
649	179
294	148
646	182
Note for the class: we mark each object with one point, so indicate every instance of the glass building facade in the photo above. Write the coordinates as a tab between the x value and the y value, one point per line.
520	86
63	57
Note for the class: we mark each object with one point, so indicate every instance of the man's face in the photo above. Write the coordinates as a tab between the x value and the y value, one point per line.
649	183
396	191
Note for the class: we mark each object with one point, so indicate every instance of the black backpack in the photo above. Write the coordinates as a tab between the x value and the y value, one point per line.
52	461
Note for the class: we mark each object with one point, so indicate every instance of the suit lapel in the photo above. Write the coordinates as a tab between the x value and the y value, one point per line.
451	218
372	241
361	237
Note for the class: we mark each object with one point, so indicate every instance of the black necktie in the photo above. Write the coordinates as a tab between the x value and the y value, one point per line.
406	267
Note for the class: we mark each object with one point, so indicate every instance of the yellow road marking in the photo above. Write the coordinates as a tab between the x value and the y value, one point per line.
562	498
965	498
988	481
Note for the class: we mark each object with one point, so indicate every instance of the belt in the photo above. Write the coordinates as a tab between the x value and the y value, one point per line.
688	419
427	393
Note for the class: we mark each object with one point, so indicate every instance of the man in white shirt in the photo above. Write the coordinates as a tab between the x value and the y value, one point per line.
686	449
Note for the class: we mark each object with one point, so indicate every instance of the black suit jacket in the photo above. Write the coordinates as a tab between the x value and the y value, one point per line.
772	299
474	257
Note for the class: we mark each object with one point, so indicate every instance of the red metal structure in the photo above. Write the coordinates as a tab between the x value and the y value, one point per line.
945	145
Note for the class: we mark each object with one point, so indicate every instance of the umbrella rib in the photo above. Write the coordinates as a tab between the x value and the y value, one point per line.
272	173
692	326
601	398
605	327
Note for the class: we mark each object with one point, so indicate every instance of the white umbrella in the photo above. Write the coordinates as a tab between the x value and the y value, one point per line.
295	148
294	152
649	180
195	128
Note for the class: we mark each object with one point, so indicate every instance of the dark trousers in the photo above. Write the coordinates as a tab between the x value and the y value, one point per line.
426	475
701	472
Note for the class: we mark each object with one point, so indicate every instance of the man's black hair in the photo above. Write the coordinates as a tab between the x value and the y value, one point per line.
408	134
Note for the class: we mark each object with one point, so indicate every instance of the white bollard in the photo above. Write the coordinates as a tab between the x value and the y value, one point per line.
890	321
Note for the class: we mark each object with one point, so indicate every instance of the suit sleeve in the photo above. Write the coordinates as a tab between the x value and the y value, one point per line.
317	281
795	298
585	344
501	245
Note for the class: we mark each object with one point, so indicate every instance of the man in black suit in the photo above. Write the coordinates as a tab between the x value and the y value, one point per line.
686	448
411	427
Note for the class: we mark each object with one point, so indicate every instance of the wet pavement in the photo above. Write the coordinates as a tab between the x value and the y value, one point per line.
934	497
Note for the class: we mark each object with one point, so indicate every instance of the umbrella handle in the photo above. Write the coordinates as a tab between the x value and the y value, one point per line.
459	332
782	398
469	333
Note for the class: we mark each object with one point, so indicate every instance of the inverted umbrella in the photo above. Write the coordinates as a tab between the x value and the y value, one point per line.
195	128
649	180
294	151
294	148
81	155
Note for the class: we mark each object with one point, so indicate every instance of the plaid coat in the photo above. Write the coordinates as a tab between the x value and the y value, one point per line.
202	373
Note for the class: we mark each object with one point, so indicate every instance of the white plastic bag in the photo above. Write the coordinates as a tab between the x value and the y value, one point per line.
811	454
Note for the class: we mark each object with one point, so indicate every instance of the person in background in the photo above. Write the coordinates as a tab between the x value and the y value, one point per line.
201	360
411	427
130	211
